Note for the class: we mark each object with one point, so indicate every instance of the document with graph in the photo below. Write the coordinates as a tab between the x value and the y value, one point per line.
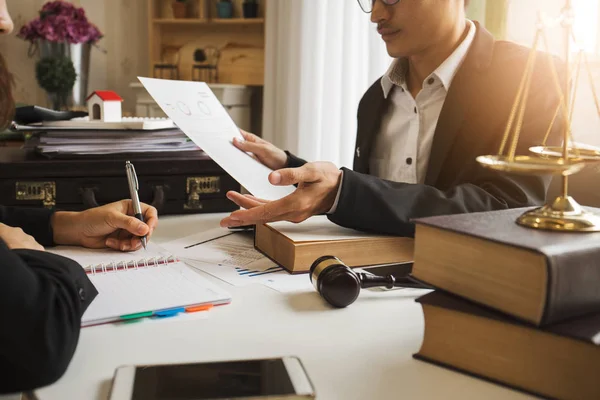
199	114
226	255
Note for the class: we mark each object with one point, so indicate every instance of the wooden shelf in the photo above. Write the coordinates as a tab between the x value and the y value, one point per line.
202	21
180	21
240	21
241	40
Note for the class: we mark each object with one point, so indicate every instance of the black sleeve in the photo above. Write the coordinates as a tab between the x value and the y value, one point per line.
371	204
33	221
293	161
42	299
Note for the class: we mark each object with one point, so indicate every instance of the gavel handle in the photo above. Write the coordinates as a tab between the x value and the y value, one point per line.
389	281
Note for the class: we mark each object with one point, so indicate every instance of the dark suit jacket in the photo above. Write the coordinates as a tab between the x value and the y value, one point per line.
42	299
472	123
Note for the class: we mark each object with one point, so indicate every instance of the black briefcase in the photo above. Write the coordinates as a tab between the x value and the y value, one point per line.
174	182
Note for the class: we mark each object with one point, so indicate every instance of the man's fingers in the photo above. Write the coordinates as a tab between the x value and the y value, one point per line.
112	243
150	218
250	137
243	201
130	224
243	220
256	198
289	208
270	212
149	212
292	176
249	147
124	244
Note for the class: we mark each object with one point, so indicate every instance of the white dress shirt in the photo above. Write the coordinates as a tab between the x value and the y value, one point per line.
403	145
402	148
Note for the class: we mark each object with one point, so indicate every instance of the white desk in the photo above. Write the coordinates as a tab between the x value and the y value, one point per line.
361	352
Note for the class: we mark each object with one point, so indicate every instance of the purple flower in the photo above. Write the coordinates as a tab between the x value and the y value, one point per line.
78	32
61	21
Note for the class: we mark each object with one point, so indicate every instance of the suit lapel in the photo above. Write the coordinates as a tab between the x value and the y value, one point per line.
371	118
461	92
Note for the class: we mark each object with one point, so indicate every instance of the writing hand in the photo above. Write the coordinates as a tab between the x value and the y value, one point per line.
112	225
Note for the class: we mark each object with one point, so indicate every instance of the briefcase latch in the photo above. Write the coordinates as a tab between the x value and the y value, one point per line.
196	187
44	191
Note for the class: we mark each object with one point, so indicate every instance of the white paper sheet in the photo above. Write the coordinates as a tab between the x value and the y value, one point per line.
228	256
318	228
198	113
290	283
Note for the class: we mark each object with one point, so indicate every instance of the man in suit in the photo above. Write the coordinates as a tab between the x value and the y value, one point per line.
42	295
444	101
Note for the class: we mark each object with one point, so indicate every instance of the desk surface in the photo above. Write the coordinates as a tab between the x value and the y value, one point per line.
361	352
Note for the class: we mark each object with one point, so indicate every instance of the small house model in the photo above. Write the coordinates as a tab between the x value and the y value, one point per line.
105	106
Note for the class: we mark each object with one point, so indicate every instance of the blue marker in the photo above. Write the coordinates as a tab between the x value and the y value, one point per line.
169	313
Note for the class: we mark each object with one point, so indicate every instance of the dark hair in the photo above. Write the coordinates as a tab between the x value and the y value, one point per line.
7	103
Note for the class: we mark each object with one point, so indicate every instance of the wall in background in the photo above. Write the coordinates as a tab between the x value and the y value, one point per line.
126	42
521	17
521	29
124	24
123	53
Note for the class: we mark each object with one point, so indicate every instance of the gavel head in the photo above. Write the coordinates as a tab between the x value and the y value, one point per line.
335	281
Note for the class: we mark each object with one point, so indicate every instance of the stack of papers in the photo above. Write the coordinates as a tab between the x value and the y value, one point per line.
88	142
136	123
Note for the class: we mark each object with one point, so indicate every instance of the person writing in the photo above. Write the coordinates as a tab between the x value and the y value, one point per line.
42	295
444	101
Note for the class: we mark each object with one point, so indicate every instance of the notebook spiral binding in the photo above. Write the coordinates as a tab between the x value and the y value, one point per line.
114	266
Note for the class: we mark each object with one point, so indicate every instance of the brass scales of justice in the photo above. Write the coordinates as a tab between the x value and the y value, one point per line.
563	213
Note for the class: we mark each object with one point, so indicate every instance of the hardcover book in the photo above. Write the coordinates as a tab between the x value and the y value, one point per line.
541	277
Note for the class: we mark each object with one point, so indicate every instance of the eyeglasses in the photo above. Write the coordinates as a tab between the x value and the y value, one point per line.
367	5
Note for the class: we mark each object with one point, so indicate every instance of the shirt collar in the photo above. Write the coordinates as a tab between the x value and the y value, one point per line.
445	72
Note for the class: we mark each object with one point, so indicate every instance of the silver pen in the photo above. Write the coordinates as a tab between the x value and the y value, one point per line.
134	186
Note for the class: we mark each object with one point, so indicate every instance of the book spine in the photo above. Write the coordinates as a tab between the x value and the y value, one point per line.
114	266
573	284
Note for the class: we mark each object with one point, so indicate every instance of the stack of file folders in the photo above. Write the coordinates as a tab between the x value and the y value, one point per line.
58	142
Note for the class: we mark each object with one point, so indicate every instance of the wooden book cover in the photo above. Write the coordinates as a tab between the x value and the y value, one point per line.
538	276
558	361
296	246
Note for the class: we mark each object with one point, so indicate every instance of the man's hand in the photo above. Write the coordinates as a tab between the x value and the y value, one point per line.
15	238
112	225
271	156
318	184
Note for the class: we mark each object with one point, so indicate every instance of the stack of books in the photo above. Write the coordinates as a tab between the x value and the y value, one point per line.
515	306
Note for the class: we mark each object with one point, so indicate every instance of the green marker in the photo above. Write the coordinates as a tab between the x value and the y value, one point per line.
137	315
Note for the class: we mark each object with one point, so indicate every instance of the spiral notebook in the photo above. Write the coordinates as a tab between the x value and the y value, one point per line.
150	283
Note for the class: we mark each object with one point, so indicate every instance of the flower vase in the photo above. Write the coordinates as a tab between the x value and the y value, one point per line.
80	56
59	101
